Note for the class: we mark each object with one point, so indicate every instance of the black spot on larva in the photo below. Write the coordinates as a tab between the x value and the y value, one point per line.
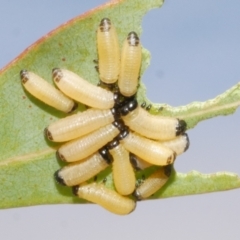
24	76
123	134
181	127
187	142
168	170
48	134
143	105
105	25
129	107
105	155
60	156
119	124
133	39
58	178
149	107
115	112
75	190
57	74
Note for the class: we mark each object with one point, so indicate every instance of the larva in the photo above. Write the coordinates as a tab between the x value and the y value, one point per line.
179	144
150	151
153	183
82	91
45	92
83	147
150	126
80	124
123	173
108	52
107	198
76	173
131	59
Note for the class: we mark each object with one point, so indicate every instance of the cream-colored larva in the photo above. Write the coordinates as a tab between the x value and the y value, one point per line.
82	91
153	183
45	92
108	52
131	59
179	144
150	151
123	173
107	198
76	173
80	124
151	126
83	147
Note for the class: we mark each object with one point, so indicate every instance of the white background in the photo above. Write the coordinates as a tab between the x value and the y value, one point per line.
195	48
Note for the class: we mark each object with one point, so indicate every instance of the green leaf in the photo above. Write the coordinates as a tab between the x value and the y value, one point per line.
27	160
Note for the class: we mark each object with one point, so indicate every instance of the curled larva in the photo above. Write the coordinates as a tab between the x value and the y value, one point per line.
82	91
108	52
80	124
107	198
45	92
153	183
179	144
76	173
131	59
150	151
83	147
123	173
151	126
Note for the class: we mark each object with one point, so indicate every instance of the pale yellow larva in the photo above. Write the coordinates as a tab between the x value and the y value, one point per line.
123	173
83	147
150	151
80	124
151	126
131	59
108	52
107	198
45	92
179	144
153	183
82	91
76	173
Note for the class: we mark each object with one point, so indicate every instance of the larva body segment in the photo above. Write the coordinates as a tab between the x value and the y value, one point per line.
153	183
76	173
179	144
108	52
79	124
107	198
151	126
83	147
150	151
82	91
123	173
131	59
45	92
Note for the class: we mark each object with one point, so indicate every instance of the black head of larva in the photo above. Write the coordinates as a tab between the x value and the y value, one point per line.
114	143
129	107
187	142
105	25
133	39
119	124
134	162
75	106
58	178
105	155
168	170
137	195
48	134
24	76
56	74
75	190
123	134
181	127
115	112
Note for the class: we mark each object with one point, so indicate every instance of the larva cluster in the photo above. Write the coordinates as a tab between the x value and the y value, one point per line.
114	131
